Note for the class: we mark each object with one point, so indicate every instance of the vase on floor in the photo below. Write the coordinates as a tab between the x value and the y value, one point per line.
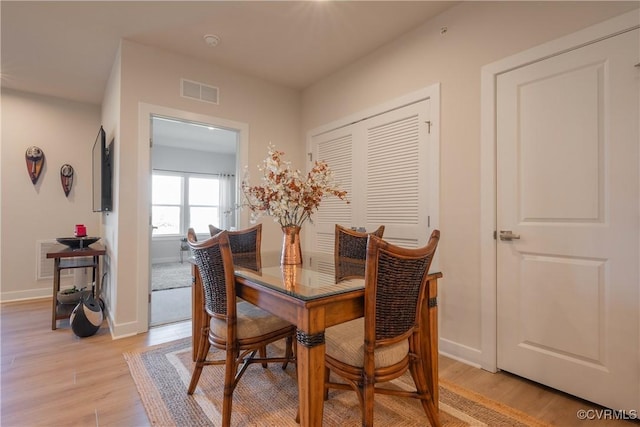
291	251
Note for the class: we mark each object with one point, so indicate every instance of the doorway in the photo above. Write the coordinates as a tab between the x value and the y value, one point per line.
193	184
560	214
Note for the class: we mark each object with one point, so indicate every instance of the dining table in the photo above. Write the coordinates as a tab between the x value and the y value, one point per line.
322	291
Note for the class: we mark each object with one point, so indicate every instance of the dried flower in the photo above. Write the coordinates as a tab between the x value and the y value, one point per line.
285	195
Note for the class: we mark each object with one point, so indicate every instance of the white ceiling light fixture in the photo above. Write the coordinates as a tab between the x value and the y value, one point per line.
211	40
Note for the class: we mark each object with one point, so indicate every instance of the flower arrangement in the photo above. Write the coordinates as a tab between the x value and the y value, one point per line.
285	195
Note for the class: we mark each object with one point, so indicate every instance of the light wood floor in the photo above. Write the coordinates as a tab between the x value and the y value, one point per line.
53	378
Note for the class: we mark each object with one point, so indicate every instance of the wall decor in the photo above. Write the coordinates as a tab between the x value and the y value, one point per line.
66	178
35	160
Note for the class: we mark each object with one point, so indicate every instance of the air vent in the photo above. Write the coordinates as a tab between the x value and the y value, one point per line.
199	91
44	267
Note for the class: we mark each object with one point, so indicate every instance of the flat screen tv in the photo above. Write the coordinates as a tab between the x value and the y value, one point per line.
102	162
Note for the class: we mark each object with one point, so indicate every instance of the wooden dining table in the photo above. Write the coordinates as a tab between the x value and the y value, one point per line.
310	297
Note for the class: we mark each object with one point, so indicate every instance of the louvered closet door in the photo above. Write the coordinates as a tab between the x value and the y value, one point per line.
336	148
382	163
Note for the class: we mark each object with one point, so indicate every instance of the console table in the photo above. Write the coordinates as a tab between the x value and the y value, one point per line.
66	257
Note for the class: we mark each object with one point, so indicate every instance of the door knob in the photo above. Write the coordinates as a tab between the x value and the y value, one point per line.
508	235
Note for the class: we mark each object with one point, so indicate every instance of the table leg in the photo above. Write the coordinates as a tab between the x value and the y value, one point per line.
310	359
56	288
97	280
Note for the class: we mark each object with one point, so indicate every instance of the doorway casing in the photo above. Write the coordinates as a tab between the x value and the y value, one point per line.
145	113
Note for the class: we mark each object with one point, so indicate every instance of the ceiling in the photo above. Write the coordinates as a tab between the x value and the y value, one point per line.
66	48
193	136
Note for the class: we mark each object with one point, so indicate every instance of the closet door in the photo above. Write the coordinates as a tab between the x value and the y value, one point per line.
396	190
382	162
337	149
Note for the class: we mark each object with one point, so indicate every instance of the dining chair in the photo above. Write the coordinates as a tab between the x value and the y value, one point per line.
351	251
245	245
237	327
385	343
245	248
213	230
351	243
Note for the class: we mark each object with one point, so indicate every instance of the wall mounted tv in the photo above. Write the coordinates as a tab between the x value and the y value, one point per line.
102	173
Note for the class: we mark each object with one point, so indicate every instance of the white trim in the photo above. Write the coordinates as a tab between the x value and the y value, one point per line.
459	352
433	93
26	295
145	111
489	73
430	92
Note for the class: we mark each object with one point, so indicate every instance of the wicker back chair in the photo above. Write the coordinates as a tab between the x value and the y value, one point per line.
213	230
245	245
384	343
353	244
351	251
235	326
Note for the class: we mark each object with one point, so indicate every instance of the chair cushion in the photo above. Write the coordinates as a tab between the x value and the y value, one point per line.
345	342
252	321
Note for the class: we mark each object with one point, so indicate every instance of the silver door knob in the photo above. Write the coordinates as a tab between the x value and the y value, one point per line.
508	235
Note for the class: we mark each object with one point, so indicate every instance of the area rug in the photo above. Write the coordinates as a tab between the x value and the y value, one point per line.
170	275
268	397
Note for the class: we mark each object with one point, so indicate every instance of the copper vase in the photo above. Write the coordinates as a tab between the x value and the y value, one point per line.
289	276
291	252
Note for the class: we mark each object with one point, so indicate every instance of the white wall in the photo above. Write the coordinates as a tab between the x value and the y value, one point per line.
109	220
477	33
151	76
65	131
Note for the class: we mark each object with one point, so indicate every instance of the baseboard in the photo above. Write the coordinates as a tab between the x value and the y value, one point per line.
25	295
122	330
461	353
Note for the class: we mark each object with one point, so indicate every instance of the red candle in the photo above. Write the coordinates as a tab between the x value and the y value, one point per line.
81	230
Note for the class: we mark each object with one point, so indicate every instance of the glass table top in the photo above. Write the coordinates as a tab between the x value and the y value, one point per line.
319	275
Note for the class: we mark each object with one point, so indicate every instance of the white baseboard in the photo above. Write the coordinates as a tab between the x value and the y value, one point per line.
122	330
461	353
27	294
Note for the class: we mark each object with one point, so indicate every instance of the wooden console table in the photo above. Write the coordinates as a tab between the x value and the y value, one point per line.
65	257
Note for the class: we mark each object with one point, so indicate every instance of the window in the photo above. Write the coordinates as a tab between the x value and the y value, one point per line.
166	211
204	197
181	201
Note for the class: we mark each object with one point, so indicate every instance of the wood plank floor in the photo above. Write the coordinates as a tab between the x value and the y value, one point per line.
53	378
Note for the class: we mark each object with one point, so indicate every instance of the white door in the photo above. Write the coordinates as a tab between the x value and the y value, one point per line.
383	163
568	186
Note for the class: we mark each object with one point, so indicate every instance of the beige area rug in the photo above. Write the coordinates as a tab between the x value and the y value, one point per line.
268	397
170	275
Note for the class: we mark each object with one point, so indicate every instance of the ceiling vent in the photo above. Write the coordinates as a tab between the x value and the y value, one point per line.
199	91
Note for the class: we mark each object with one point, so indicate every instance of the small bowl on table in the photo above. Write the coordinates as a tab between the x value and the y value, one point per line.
77	242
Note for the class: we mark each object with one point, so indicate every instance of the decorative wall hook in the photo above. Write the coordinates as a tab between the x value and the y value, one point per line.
66	178
34	157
